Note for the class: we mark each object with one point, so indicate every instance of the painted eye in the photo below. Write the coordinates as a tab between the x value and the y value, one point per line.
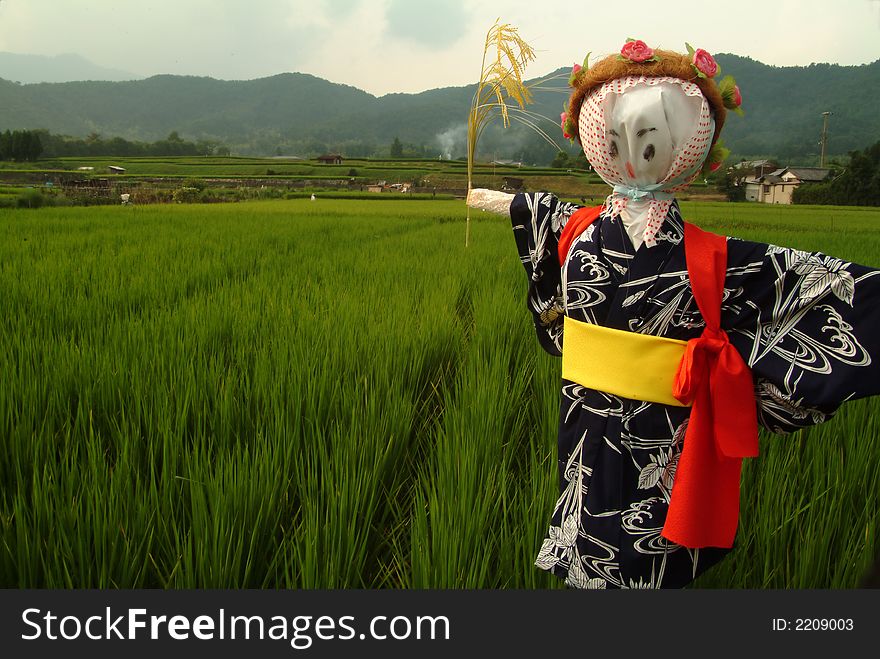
649	152
613	149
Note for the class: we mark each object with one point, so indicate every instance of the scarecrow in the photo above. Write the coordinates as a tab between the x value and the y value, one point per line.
675	343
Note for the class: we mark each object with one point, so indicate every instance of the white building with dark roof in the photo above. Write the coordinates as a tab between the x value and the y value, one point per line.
777	186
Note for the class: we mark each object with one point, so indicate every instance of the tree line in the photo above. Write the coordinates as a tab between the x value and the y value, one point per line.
857	185
565	160
20	145
29	145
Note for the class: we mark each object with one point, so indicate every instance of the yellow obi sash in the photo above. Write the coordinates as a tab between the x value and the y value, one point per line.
626	364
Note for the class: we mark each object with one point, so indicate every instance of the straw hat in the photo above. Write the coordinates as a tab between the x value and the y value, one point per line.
637	59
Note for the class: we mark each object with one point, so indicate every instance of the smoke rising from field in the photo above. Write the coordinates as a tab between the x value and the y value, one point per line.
516	142
453	141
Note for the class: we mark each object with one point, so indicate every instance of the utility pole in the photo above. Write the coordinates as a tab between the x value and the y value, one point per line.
824	137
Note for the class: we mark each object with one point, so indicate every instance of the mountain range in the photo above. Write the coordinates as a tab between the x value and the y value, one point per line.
67	67
300	114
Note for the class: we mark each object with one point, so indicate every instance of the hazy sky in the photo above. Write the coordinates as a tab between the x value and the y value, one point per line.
410	45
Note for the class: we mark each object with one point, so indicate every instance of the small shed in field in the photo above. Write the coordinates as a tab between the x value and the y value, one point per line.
113	169
330	159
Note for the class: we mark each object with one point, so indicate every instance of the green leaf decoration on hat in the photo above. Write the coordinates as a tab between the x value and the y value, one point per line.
730	95
578	71
570	128
717	155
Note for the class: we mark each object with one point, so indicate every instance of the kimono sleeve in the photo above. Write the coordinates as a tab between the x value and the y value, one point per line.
537	219
808	325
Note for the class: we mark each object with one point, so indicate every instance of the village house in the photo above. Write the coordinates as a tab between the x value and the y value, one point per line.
330	159
757	168
777	186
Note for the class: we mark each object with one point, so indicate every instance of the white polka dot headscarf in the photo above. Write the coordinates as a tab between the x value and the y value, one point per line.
686	164
696	150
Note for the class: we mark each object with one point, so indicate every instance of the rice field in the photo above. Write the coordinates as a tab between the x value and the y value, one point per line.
338	394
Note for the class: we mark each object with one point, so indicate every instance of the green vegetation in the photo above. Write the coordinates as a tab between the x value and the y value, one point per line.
297	114
85	180
857	185
241	167
337	394
784	105
565	160
20	145
56	146
29	197
396	150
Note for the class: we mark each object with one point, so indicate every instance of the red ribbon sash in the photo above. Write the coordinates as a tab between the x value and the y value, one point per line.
723	425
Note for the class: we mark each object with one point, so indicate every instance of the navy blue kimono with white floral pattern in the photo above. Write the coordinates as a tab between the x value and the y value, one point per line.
807	324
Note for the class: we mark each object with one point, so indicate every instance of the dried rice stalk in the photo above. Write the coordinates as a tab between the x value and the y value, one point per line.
505	56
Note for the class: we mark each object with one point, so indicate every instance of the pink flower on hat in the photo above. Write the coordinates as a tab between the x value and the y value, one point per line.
572	79
636	51
563	118
737	97
704	63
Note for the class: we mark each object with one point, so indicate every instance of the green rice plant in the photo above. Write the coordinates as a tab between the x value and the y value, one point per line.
289	394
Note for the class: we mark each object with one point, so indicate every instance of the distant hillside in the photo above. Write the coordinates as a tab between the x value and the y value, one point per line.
60	68
784	107
299	114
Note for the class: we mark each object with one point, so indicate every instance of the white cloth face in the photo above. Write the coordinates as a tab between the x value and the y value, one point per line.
678	110
647	137
645	126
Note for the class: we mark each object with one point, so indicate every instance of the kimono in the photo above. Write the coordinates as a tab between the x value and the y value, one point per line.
808	326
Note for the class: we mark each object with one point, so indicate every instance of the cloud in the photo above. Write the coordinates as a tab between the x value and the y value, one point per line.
194	37
433	24
411	45
341	7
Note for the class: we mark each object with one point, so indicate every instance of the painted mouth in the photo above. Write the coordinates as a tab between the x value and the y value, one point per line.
629	170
